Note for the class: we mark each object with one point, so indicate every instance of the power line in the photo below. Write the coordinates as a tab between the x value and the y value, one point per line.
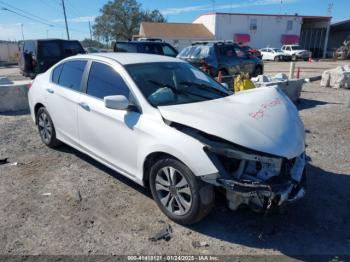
24	12
30	18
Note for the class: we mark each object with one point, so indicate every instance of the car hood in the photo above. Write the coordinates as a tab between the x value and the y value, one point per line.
263	119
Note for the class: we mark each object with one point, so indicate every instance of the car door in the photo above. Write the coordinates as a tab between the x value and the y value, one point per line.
270	55
108	134
62	96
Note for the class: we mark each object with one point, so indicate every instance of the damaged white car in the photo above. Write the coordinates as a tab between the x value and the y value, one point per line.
164	124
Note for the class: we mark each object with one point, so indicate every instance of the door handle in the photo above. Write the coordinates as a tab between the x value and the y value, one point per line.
85	106
49	90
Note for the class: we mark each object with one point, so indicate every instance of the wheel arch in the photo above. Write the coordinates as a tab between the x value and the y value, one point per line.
36	109
149	160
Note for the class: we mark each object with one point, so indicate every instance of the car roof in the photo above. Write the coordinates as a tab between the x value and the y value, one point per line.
140	42
129	58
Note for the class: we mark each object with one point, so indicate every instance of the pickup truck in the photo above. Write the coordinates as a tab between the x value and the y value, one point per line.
296	52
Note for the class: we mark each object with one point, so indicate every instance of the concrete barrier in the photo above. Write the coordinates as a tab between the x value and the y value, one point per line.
291	87
13	95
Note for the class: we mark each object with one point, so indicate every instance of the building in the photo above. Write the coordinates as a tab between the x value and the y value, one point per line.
339	32
179	35
261	30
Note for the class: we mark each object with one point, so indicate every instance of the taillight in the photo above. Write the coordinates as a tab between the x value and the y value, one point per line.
30	85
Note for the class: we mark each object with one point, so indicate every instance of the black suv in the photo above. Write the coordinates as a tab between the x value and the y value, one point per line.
226	57
148	47
36	56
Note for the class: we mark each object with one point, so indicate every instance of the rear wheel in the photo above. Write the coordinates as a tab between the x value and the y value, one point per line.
46	128
180	195
258	71
276	59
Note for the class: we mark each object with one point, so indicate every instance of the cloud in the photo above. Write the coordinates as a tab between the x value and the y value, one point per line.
80	19
188	9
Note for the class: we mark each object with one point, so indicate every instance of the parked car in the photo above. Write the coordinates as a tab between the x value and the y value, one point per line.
252	51
165	124
36	56
226	57
296	51
147	47
274	54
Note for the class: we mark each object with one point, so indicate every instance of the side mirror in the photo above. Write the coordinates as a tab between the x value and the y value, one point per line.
116	102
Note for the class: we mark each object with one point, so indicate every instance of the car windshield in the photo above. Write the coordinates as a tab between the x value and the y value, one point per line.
173	83
296	47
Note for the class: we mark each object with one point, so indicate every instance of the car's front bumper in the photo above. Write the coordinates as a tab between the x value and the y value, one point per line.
279	190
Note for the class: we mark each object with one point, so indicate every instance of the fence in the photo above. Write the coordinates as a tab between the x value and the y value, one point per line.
9	52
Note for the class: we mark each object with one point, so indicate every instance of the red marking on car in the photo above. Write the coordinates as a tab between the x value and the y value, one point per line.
264	108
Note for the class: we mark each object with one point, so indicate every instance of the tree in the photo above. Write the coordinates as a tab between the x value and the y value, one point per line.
120	19
92	43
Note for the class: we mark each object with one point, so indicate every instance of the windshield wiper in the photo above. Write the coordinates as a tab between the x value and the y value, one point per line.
178	91
203	86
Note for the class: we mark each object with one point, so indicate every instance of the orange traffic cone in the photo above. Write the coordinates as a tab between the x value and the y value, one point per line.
220	77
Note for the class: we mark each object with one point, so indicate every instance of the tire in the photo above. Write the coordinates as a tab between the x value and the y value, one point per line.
182	197
46	128
294	58
276	59
257	71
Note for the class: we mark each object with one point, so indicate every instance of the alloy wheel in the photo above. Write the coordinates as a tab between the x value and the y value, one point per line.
173	190
45	127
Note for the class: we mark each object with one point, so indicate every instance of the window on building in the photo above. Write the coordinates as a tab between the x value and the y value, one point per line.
253	24
289	25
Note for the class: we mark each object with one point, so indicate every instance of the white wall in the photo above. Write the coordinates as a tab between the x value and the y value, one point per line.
268	33
9	52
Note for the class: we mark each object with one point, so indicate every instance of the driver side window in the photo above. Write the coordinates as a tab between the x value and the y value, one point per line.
105	81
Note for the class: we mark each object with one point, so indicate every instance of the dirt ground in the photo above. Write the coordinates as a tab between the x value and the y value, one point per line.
62	202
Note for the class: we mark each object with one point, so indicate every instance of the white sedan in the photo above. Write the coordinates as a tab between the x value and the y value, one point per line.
165	124
274	54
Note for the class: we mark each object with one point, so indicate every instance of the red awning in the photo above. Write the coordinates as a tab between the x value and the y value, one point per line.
289	39
242	38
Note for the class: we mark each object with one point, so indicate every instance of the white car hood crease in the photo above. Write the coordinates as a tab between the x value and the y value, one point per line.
262	119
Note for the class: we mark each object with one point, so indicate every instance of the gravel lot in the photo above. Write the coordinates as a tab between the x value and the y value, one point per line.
63	202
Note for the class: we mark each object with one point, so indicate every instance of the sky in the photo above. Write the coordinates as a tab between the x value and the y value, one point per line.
47	18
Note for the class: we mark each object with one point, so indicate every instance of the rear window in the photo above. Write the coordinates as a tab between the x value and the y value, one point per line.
125	47
201	52
151	49
227	50
72	48
56	73
71	74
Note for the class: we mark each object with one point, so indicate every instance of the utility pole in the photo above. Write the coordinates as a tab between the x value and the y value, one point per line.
22	31
65	18
90	30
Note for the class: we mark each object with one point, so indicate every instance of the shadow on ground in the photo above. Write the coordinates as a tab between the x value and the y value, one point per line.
310	103
15	113
318	224
120	177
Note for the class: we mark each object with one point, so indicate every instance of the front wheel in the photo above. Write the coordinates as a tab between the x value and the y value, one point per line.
180	195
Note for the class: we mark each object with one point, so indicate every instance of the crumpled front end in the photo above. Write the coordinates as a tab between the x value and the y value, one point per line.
254	179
